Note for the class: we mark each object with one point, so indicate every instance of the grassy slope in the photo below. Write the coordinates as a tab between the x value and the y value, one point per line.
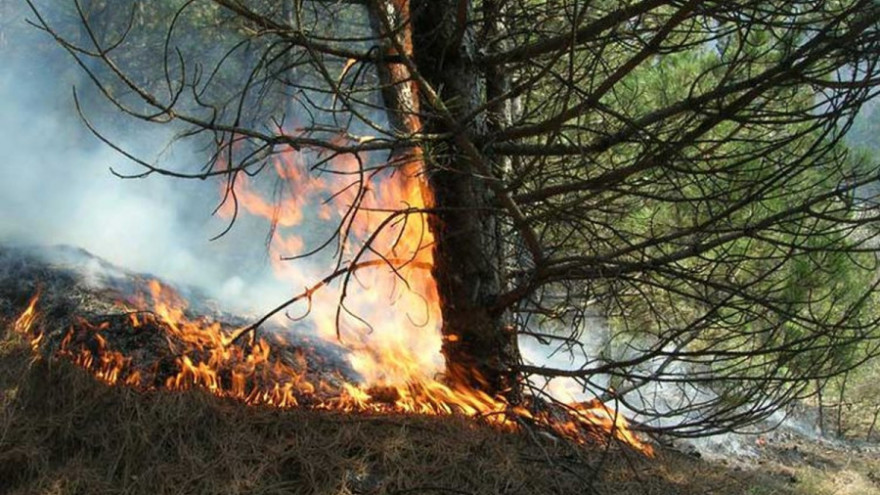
63	432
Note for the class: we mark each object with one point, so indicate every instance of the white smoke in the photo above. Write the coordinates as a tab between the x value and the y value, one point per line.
667	403
56	186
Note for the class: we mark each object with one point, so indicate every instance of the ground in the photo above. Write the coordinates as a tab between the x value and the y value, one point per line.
62	432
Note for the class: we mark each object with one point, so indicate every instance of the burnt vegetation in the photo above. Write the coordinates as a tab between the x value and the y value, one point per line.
675	167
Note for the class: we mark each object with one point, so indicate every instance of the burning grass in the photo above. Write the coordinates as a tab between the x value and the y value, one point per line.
62	431
164	349
65	432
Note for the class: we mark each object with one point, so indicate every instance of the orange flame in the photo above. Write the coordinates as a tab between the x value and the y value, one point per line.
25	321
252	374
390	318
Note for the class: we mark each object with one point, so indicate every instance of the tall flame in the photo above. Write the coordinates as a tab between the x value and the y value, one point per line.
388	313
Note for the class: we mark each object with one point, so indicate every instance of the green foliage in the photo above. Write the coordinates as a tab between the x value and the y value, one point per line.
747	255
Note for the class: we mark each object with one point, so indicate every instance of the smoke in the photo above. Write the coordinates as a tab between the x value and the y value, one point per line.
654	404
56	186
552	353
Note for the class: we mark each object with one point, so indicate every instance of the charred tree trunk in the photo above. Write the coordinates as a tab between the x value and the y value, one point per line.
479	344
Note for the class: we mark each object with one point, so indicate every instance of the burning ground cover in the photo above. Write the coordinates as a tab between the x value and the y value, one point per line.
63	432
94	315
131	330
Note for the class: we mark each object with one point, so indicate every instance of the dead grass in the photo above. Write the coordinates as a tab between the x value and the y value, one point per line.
62	432
827	468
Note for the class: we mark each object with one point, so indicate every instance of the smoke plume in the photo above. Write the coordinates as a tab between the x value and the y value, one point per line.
56	186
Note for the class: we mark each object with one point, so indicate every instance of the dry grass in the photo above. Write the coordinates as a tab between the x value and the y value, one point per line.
826	468
62	432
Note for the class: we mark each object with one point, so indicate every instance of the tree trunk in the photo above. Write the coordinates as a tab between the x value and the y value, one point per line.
479	344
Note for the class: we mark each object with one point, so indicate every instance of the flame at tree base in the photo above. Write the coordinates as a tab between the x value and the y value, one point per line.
204	358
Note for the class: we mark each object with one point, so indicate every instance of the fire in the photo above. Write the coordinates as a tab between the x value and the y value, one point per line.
252	374
387	313
25	321
384	309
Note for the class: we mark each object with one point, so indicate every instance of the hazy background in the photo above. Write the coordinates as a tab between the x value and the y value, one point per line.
56	186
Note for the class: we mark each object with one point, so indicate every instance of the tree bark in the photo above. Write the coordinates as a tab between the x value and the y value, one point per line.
479	343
